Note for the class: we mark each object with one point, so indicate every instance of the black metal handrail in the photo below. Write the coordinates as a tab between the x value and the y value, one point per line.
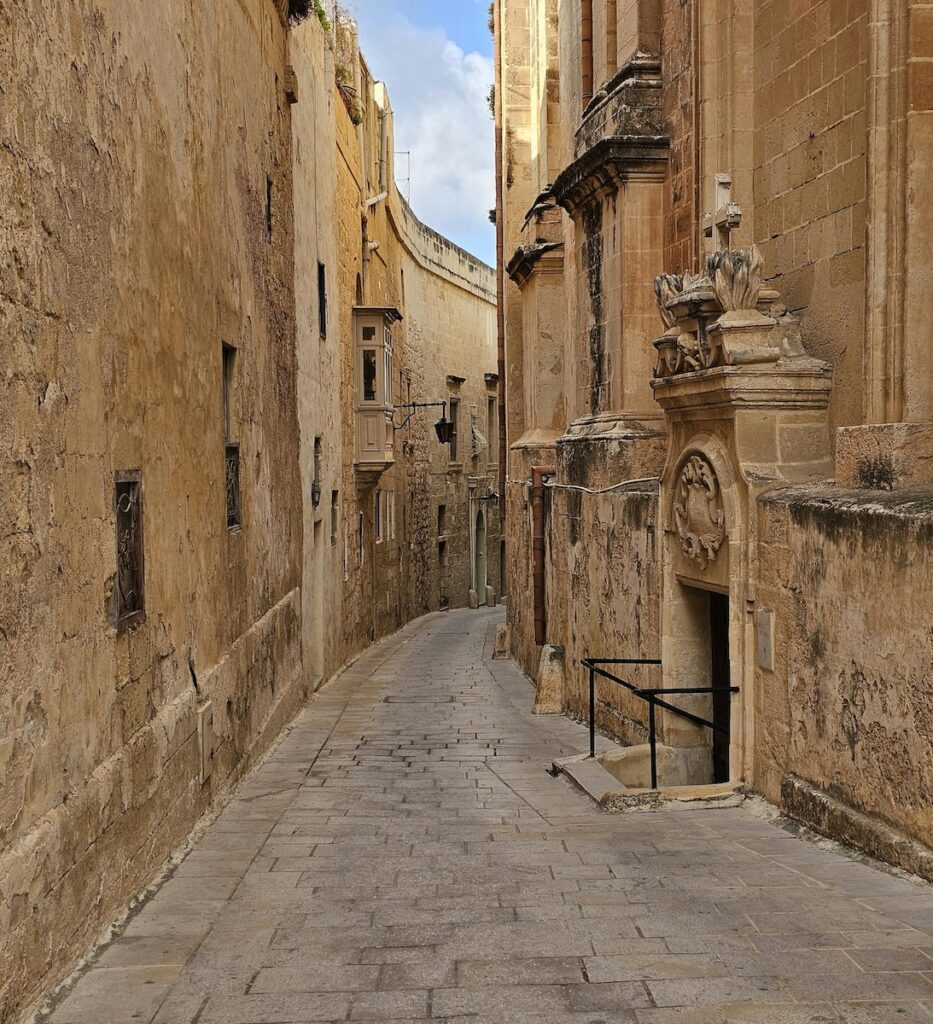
650	696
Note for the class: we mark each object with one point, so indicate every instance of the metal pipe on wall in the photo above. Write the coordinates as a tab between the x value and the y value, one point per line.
538	473
586	38
500	276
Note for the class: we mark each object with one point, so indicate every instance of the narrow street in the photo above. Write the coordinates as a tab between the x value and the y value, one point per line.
403	855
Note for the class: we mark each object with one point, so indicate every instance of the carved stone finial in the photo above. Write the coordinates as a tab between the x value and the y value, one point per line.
698	511
666	286
736	277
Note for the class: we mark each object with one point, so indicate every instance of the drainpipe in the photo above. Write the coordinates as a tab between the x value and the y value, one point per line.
500	273
383	149
587	48
538	473
366	256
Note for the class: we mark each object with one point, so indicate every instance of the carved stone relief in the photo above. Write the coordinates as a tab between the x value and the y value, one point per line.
699	516
724	317
736	277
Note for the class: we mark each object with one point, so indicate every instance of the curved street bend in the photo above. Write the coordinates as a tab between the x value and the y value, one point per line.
403	855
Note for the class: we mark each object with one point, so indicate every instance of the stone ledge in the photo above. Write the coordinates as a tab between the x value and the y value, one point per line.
604	789
605	450
830	817
860	507
792	383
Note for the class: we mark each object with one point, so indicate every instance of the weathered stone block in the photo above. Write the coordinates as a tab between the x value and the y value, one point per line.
885	456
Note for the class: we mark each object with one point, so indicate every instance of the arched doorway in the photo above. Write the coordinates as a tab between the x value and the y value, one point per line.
479	557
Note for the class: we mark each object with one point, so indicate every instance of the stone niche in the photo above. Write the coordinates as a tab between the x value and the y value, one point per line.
745	410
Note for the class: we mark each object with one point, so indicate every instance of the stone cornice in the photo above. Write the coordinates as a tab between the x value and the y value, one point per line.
607	165
523	264
788	384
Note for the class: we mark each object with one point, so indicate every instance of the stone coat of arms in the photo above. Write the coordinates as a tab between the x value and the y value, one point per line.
698	511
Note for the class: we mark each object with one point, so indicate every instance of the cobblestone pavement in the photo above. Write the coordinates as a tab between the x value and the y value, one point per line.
403	856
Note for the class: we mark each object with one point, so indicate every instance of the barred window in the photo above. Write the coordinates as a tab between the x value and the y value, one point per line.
129	597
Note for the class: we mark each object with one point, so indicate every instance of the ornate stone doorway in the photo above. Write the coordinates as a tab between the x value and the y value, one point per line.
702	600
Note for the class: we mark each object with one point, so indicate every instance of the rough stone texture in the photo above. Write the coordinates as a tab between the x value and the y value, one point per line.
848	707
885	457
403	855
550	692
609	610
314	123
167	195
831	817
135	242
679	105
817	114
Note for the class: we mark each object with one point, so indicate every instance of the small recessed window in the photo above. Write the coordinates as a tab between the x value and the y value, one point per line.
334	516
322	299
455	421
228	367
129	606
378	504
316	479
231	447
269	207
369	375
232	481
441	520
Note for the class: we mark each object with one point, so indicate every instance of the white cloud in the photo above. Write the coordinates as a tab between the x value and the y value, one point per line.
439	95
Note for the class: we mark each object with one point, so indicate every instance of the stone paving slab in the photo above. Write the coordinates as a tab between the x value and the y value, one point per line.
404	856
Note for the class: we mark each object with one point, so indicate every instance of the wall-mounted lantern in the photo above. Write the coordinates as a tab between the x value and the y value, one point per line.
444	428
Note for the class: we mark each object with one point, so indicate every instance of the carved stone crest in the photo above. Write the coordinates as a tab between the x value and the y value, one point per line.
667	287
698	511
736	277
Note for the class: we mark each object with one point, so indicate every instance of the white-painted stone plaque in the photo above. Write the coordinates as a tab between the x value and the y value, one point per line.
764	627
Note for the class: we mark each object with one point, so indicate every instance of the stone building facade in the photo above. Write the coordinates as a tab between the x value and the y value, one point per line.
713	225
181	495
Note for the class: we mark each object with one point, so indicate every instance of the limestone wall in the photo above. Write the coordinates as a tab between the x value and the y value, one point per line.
848	706
318	354
137	241
603	598
797	128
810	178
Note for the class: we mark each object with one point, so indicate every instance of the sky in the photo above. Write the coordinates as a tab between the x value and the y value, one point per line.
435	57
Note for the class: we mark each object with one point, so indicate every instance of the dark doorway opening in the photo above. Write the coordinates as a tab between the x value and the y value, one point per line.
720	676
